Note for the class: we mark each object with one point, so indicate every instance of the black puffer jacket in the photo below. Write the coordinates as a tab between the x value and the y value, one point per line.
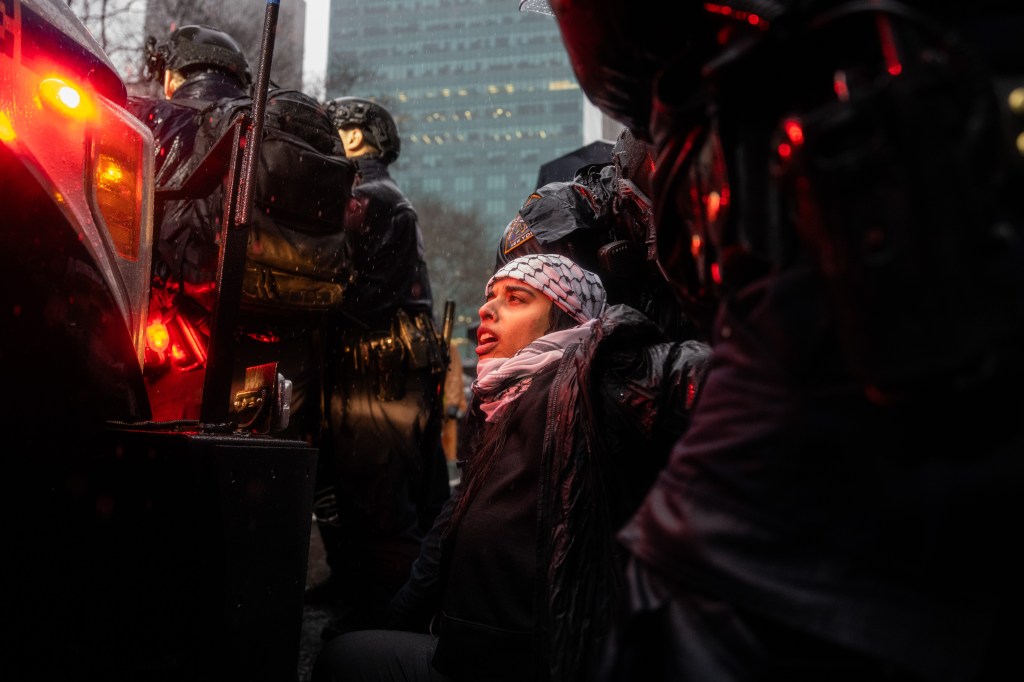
616	405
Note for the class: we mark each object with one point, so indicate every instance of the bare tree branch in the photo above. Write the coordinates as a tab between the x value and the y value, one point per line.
460	257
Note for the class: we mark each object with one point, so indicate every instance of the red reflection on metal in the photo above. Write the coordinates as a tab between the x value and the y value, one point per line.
888	41
190	336
840	87
264	337
739	15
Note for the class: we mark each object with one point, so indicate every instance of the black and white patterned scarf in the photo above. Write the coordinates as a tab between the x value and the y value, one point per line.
577	291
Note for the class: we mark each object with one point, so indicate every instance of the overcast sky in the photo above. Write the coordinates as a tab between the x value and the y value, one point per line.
315	54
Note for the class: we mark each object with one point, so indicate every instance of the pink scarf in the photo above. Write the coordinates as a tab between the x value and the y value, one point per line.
500	381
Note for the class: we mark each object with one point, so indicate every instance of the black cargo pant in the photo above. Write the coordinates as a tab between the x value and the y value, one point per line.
382	477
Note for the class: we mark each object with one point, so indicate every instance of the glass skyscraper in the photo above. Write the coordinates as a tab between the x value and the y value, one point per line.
483	95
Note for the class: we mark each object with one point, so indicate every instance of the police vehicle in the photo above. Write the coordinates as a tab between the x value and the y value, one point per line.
136	549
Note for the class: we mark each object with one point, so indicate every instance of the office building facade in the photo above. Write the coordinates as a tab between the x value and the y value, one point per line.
483	95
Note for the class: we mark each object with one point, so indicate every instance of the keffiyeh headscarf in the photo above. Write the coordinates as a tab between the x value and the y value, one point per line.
577	291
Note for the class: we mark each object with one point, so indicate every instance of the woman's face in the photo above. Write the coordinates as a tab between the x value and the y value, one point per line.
514	315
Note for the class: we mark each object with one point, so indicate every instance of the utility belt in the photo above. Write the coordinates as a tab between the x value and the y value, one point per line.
386	358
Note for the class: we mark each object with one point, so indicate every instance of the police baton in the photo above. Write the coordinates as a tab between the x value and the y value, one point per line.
238	202
259	108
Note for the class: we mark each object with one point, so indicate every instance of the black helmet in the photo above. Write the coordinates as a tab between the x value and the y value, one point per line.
197	46
376	122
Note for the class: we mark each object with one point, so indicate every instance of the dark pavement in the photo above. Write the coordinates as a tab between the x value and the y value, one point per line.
314	618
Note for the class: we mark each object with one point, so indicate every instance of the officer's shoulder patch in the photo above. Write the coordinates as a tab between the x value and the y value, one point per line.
516	234
530	199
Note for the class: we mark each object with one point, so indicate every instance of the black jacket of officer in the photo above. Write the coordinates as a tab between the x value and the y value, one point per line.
388	248
200	67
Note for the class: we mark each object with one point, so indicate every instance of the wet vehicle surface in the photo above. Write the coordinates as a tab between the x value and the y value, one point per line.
140	549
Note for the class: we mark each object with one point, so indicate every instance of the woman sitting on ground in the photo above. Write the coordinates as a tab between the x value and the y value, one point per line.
575	408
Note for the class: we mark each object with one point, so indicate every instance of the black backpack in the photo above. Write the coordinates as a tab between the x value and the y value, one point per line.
298	254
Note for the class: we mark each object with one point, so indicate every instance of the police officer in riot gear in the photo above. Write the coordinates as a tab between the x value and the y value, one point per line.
387	478
835	182
207	84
